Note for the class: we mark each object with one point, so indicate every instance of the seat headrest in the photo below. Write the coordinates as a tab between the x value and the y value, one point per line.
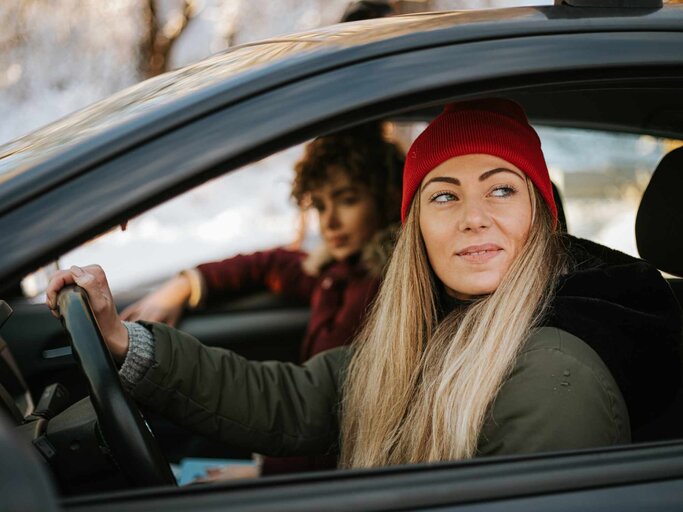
659	223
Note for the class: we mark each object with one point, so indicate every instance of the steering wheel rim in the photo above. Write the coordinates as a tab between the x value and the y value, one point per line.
133	445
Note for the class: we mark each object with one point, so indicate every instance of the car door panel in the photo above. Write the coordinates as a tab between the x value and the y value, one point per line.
40	348
257	327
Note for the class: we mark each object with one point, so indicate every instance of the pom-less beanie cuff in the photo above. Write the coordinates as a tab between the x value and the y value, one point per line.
497	127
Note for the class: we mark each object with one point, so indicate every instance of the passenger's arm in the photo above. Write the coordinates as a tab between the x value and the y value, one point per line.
165	304
272	408
277	270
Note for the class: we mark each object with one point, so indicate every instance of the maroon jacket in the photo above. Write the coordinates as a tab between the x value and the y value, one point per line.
338	297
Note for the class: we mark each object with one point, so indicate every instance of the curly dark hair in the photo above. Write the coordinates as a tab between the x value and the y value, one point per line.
365	155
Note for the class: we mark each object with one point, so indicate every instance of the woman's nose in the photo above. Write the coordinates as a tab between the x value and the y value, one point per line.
474	216
331	219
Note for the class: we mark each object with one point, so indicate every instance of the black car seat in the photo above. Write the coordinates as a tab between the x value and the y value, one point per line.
659	222
659	226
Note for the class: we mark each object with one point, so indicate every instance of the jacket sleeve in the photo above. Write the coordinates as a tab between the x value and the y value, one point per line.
560	396
277	270
270	407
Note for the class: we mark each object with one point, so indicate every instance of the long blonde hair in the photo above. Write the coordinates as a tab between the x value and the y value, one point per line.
418	388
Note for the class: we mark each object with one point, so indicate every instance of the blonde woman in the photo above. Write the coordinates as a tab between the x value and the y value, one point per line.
492	333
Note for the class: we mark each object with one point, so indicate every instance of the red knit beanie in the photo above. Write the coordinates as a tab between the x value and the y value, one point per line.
495	126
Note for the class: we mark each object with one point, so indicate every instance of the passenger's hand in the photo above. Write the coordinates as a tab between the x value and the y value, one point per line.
94	282
228	472
165	304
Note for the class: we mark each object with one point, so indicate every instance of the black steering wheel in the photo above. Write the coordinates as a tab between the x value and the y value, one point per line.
133	446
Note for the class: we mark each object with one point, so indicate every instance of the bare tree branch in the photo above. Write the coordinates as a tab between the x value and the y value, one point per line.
158	43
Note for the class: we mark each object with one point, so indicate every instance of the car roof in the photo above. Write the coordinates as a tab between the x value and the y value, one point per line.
176	96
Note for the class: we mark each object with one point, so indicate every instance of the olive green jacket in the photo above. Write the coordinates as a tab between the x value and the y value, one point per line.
560	396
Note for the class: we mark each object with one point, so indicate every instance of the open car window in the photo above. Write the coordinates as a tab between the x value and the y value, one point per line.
243	211
601	177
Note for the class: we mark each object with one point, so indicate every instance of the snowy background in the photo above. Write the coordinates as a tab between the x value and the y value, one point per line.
58	57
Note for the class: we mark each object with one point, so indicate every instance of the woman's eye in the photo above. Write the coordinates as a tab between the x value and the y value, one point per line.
349	200
442	197
503	191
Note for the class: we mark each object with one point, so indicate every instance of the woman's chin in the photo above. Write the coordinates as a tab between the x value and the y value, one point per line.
469	290
341	253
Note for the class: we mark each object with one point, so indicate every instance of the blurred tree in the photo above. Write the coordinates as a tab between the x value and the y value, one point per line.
57	57
164	27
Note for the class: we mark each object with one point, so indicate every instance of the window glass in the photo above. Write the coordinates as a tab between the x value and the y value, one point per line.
602	177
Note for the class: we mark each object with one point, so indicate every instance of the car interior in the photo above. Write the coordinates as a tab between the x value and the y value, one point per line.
44	393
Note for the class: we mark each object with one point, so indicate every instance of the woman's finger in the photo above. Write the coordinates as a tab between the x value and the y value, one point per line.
58	281
88	282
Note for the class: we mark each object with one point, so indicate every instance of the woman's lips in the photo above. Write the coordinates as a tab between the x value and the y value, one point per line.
479	253
338	241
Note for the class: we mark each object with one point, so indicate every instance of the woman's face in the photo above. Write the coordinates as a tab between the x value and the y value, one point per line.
475	216
347	213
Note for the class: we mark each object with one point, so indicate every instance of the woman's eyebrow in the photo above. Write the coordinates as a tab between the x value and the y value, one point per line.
343	190
490	173
455	181
442	179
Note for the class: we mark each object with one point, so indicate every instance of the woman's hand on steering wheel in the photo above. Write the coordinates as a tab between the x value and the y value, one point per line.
93	280
95	330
